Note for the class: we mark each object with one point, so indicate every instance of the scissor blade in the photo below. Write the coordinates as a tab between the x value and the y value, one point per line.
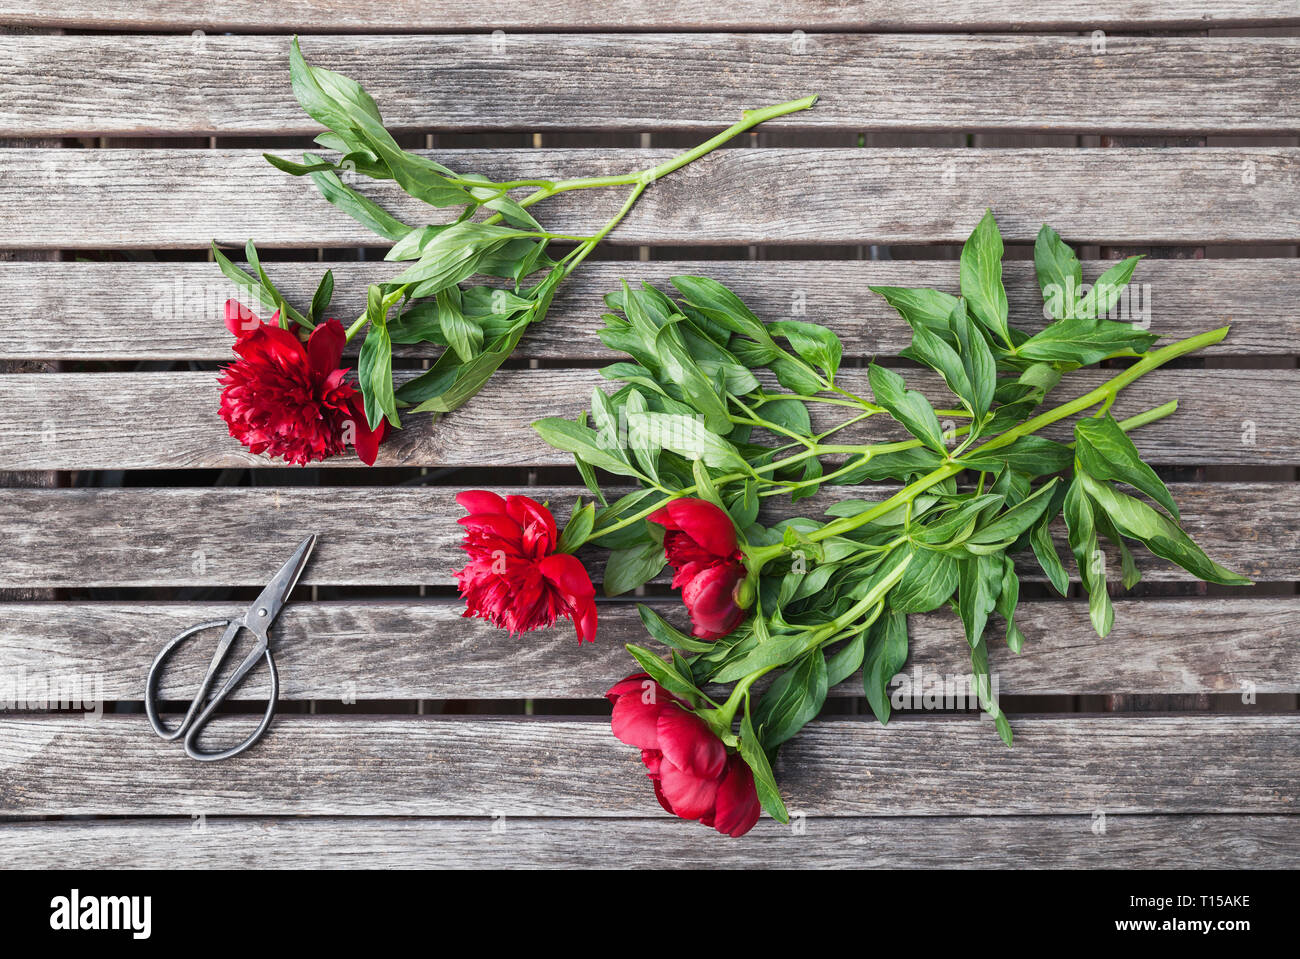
268	605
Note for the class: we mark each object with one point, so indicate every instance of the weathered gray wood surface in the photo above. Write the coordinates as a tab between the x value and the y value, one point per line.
483	15
926	791
178	85
444	766
25	364
155	199
386	650
943	842
124	310
74	421
408	536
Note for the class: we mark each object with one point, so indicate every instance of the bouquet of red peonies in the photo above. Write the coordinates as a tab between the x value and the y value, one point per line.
719	412
276	404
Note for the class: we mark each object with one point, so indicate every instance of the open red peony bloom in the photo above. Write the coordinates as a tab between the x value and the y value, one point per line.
514	578
694	777
288	399
701	545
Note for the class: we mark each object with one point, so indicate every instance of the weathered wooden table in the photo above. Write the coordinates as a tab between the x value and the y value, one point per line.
409	736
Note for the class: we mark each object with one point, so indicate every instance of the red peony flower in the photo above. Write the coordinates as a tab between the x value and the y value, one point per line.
693	775
701	545
289	399
515	579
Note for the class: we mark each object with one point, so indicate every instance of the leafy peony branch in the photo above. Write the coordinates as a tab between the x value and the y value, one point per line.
714	415
493	235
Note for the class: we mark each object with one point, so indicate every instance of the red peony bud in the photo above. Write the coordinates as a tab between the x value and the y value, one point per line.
701	545
693	775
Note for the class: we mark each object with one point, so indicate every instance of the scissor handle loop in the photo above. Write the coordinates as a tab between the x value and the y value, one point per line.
201	709
191	738
151	684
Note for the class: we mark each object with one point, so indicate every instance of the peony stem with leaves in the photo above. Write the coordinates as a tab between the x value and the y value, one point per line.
491	235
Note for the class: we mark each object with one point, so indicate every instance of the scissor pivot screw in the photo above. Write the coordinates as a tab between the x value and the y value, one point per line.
262	613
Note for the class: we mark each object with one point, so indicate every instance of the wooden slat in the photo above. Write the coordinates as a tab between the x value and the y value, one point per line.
132	310
124	199
183	85
225	537
332	651
971	842
477	15
73	421
328	765
25	364
1120	703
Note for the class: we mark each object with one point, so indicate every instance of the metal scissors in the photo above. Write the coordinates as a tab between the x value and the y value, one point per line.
257	620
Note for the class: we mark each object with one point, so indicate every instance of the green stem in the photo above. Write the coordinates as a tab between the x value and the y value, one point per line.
1101	394
866	414
854	398
764	424
1132	423
764	398
1108	389
585	249
500	187
639	180
726	713
643	178
830	432
905	495
858	457
753	419
357	326
1150	416
689	490
952	468
749	120
825	632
